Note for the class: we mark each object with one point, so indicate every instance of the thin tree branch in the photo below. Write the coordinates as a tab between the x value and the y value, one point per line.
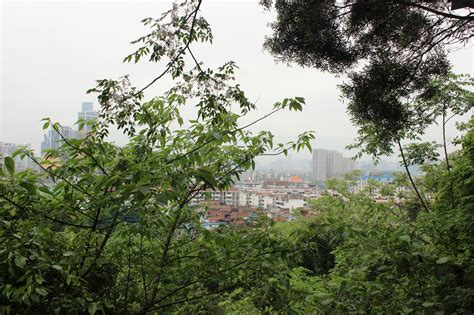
43	215
181	51
102	245
81	150
225	133
193	298
411	179
468	17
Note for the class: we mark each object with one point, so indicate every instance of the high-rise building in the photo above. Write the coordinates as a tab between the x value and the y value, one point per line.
319	164
348	165
53	139
334	164
329	164
7	149
88	114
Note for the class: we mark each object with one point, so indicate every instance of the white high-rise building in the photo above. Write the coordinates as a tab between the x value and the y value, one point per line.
53	139
348	165
334	164
320	165
330	163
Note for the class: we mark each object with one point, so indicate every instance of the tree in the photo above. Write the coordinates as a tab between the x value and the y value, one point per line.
367	257
390	50
108	228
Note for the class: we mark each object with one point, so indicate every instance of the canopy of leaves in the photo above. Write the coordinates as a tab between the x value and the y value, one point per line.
360	256
110	229
389	49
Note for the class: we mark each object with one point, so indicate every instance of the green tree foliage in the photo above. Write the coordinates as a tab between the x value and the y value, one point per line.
109	229
389	49
360	256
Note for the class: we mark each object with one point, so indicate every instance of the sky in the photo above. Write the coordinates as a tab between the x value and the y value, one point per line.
52	52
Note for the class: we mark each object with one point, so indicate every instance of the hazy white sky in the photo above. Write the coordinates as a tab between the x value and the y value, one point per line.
52	52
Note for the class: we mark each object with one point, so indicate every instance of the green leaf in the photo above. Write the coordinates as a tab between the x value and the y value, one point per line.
296	106
207	177
442	260
20	261
68	253
57	267
39	279
41	291
46	190
417	244
427	304
300	99
163	198
405	238
327	301
92	308
10	165
46	125
144	189
29	187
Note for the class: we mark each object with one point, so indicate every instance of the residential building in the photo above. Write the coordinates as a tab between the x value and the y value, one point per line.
334	165
383	178
319	165
329	164
7	149
348	165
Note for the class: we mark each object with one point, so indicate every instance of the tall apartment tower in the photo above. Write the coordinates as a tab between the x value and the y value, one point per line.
320	165
88	114
53	139
348	165
334	164
330	163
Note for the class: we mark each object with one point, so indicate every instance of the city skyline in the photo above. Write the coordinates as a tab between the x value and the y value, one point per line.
49	84
53	139
329	164
7	149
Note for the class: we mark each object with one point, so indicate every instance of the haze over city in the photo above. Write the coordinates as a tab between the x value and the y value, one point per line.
52	52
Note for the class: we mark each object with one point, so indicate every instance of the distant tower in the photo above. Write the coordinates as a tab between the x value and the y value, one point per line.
348	165
87	114
319	165
334	164
53	139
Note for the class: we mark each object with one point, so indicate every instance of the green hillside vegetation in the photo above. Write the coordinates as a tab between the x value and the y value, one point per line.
104	229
